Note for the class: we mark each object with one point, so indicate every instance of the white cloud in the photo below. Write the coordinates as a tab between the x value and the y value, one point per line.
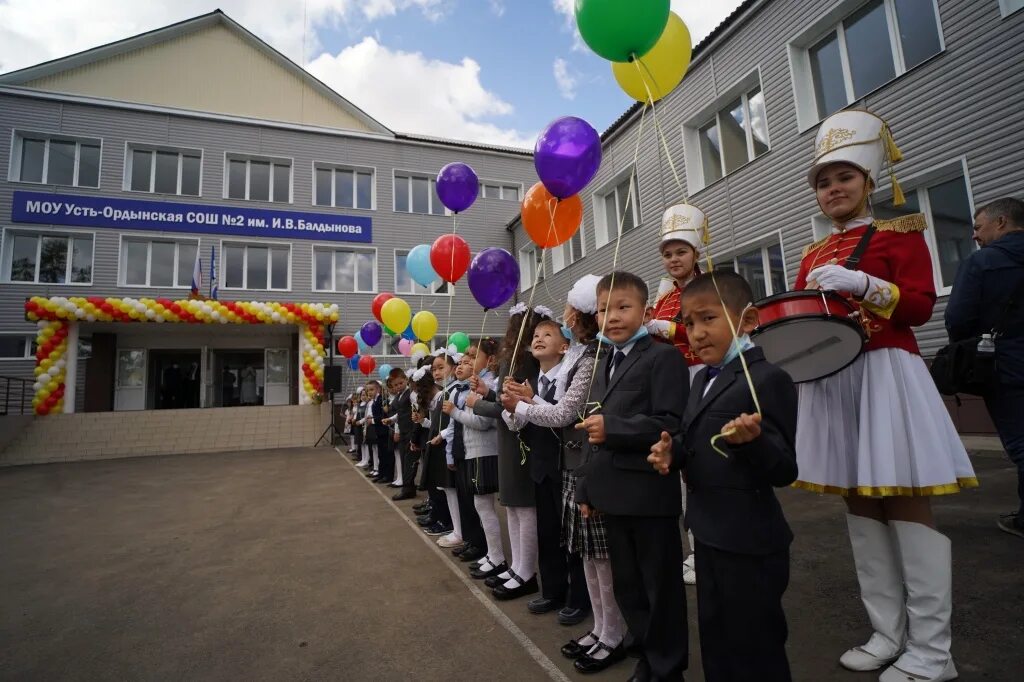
497	7
425	96
565	80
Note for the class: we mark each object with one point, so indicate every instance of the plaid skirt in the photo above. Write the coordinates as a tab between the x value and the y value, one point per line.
585	537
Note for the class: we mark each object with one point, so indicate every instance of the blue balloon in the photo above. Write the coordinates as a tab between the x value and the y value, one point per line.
353	362
419	267
364	348
409	334
383	371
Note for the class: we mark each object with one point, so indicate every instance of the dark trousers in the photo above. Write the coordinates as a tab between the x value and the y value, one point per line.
739	609
439	507
646	554
410	464
1006	406
561	573
472	531
386	457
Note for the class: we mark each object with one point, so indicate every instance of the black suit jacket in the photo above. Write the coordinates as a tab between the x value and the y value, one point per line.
401	407
646	395
730	502
545	443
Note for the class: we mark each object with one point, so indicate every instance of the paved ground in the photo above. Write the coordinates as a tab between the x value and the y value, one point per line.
289	565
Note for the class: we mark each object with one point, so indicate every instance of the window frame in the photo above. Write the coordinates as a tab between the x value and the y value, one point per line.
122	271
415	284
502	186
602	230
222	271
7	251
334	167
1007	8
130	147
334	248
30	341
534	256
432	178
799	47
18	137
259	158
761	243
559	261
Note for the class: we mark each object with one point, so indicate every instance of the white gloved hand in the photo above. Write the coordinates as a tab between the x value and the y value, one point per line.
837	278
660	328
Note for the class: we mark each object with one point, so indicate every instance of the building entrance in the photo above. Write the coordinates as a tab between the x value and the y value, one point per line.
174	379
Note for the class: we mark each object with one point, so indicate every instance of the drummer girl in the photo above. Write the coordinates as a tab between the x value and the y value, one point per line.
877	432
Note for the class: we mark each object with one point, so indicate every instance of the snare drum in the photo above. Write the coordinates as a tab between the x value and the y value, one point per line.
809	334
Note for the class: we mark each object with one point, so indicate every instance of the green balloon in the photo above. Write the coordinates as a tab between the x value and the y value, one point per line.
619	29
389	332
460	340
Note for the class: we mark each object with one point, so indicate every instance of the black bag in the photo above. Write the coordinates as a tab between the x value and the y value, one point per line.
959	368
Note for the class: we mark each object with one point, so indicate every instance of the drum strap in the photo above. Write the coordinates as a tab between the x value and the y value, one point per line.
854	259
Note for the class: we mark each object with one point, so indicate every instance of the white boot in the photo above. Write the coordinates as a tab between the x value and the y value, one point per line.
926	558
881	590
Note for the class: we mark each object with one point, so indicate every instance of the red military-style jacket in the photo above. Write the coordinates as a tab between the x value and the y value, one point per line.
898	254
668	308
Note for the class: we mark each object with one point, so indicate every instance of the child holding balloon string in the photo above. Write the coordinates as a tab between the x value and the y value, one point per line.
439	466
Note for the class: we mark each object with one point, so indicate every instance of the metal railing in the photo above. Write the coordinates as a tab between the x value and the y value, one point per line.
15	395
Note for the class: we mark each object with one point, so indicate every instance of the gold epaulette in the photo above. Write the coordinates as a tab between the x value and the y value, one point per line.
913	222
816	245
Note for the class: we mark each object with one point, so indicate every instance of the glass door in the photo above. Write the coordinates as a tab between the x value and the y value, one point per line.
130	386
276	377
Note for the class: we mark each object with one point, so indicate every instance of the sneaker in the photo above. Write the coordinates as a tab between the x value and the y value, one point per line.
689	572
450	541
437	529
1012	524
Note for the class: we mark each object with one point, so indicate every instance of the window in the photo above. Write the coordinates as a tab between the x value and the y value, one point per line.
259	179
1008	7
946	203
17	347
344	187
255	266
763	267
616	205
496	190
568	252
157	262
417	194
47	258
56	161
344	270
163	171
404	284
735	135
841	62
531	266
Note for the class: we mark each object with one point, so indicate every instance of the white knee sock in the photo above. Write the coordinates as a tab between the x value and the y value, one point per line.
614	627
512	516
453	509
398	468
365	461
527	542
596	595
492	528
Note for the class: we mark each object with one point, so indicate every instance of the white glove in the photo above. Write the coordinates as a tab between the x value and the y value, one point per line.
837	278
660	328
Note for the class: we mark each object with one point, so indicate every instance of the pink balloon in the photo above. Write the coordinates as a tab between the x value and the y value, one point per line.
405	347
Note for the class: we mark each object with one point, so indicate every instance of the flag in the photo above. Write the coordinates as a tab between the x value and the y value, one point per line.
213	272
197	277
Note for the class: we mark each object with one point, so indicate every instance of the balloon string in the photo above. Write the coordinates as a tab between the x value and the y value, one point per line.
451	271
639	62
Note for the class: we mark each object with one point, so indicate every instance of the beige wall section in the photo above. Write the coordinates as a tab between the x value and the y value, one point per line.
212	69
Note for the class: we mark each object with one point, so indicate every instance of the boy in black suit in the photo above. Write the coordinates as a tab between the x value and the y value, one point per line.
640	388
742	538
401	415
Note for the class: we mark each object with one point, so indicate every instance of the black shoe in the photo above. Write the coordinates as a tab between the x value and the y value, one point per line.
573	649
505	594
376	478
404	495
480	574
457	551
394	485
571	616
425	520
472	554
437	529
496	580
422	507
586	664
1012	524
542	605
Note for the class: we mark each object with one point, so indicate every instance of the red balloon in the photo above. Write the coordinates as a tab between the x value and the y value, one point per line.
449	256
378	302
366	364
347	346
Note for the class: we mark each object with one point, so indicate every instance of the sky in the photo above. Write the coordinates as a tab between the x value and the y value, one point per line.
491	71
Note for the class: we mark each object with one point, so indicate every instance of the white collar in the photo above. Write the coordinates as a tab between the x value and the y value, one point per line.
627	348
855	223
552	373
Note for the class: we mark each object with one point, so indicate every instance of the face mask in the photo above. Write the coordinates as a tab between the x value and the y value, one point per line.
566	332
640	333
739	344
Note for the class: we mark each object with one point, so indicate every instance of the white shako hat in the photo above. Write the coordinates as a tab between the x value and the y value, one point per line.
684	222
859	138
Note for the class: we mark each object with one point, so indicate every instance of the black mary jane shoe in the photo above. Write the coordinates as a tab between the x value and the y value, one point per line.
503	593
496	580
480	574
587	665
472	554
574	649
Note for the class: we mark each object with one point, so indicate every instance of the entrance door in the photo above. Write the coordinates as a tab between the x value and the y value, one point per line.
277	373
130	389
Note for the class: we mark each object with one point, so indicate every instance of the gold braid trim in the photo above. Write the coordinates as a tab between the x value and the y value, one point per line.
914	222
816	245
890	490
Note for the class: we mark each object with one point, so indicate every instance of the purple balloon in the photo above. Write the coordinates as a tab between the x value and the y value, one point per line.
567	156
493	277
457	186
371	333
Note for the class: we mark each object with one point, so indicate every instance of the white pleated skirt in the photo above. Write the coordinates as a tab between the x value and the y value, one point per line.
879	428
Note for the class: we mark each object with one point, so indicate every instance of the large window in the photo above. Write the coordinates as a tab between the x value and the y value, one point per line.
259	179
417	194
945	200
47	258
1008	7
531	266
17	347
838	63
404	284
344	187
255	266
163	171
762	266
344	270
568	252
491	189
735	135
616	205
157	262
56	160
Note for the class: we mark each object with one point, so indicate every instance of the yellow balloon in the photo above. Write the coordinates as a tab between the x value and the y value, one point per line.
424	325
395	314
420	348
659	71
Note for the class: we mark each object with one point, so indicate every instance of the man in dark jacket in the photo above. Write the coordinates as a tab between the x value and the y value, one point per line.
989	292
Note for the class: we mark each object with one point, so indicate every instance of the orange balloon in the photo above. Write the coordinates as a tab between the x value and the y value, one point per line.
548	221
